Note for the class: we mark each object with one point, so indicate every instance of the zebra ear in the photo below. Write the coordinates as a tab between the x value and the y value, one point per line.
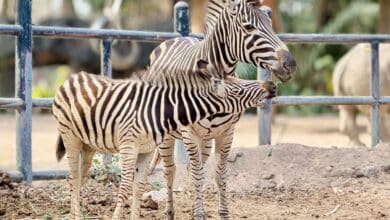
232	5
267	10
201	65
255	3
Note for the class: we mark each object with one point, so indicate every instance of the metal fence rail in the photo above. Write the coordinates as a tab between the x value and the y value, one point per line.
23	30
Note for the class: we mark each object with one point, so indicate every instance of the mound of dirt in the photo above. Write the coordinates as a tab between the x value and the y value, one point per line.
287	181
288	166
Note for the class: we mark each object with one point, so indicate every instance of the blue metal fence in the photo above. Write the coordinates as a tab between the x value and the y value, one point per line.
23	103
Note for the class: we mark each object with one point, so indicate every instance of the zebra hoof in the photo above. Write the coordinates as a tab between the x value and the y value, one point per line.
170	214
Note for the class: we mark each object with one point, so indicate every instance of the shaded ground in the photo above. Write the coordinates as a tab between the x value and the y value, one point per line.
284	181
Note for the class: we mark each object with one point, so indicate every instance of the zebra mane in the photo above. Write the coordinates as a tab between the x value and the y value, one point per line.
214	10
164	75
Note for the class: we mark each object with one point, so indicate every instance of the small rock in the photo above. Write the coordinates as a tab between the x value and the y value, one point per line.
279	198
2	211
329	168
233	157
232	191
149	203
345	172
103	202
386	169
159	195
368	171
268	176
271	184
316	215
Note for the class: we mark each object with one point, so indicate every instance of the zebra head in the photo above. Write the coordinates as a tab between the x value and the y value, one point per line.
246	93
255	42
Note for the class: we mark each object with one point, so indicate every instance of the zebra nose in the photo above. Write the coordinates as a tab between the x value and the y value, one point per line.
287	60
270	87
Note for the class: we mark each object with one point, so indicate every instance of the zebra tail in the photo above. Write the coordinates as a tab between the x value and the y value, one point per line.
60	152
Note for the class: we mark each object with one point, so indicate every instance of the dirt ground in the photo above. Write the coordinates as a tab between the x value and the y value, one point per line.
282	181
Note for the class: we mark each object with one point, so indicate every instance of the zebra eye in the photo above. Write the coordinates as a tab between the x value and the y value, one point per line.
249	27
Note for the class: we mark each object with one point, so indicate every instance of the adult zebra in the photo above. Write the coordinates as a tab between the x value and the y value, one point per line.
133	116
235	30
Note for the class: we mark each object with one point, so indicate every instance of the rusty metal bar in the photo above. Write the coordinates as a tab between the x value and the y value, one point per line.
324	100
23	70
264	113
279	101
106	70
181	25
11	103
41	175
87	33
7	29
375	92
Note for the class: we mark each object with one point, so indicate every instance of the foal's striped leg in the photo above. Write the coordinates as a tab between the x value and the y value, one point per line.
222	148
73	147
140	180
191	143
128	154
86	162
206	150
166	151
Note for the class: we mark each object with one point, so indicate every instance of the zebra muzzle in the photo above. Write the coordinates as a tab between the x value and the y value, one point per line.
270	88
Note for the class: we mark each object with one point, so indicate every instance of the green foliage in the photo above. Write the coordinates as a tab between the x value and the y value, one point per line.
99	4
48	216
51	84
109	172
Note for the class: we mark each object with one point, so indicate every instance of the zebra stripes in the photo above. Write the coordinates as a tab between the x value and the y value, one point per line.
134	116
235	30
241	32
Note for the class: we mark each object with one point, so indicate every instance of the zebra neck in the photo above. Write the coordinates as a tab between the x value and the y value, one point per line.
191	105
218	48
213	11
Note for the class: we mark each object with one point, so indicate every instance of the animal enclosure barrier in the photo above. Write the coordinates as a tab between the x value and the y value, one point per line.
23	30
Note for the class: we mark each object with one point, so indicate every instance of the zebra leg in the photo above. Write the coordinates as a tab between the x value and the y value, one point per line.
86	162
348	125
73	147
222	148
128	154
140	180
166	151
206	150
197	172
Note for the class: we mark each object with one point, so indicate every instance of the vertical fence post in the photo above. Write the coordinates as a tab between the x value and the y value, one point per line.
106	70
264	113
181	25
375	92
23	70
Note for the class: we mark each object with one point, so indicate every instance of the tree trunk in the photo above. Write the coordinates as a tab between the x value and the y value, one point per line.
197	13
68	9
384	17
7	9
273	4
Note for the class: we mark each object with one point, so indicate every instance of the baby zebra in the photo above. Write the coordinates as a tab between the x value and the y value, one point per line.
133	117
